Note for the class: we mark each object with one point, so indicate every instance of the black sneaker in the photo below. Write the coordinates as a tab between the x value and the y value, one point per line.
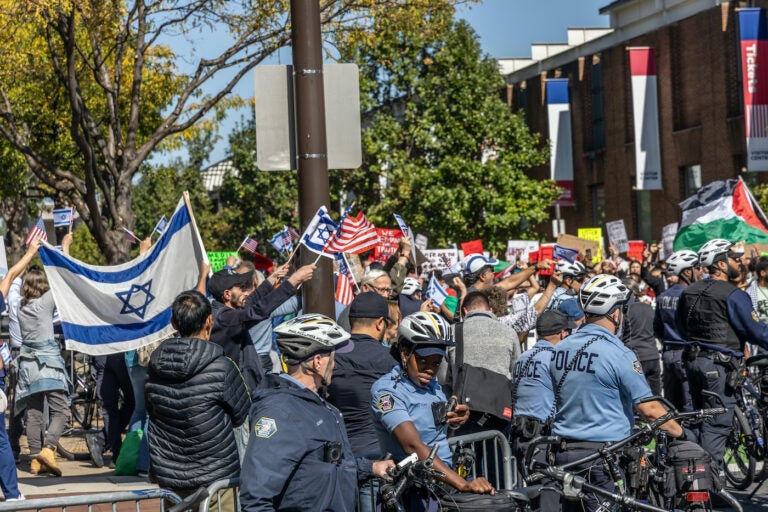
95	448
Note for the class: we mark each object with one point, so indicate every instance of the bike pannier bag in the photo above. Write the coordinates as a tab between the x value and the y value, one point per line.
690	468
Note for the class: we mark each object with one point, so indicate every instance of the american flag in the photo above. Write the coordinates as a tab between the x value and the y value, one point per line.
355	235
249	244
37	231
131	236
344	293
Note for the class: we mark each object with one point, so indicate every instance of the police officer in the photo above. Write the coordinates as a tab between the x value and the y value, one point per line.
403	403
532	393
676	389
298	455
717	318
573	275
597	383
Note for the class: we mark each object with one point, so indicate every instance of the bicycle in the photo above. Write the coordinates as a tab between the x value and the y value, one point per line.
85	411
645	488
411	473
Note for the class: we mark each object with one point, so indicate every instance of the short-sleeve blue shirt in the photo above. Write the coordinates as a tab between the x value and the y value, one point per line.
534	389
395	400
597	398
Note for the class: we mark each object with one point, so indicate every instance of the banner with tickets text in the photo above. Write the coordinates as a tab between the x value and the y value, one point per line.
645	109
754	68
561	152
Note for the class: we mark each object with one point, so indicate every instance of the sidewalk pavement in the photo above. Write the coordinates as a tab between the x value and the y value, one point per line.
78	477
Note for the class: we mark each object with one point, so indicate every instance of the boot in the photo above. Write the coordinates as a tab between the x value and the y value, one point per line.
34	467
47	459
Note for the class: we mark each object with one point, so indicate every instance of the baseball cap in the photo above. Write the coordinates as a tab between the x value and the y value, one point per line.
477	261
369	305
430	350
570	308
226	279
552	322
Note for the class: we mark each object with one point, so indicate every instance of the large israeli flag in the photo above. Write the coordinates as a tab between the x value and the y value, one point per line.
122	307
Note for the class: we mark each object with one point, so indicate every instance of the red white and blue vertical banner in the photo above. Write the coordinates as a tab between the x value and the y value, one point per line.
754	69
561	154
645	108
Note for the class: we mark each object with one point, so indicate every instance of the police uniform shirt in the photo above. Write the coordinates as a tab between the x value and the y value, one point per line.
596	400
395	400
558	296
664	323
535	394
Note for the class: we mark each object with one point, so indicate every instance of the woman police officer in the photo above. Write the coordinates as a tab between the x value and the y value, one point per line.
402	403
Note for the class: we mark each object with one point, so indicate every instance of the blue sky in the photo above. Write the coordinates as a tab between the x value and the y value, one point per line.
506	29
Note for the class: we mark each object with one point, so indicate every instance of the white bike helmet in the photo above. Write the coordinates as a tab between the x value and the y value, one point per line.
681	260
602	294
306	335
712	250
567	268
425	328
411	285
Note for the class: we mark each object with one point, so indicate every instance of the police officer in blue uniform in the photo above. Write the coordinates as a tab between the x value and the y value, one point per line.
298	455
598	383
402	402
676	389
717	318
532	394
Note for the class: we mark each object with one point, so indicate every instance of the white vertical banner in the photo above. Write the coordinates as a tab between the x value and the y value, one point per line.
645	109
561	152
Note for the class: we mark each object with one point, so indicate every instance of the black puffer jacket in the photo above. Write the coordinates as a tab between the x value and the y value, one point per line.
195	395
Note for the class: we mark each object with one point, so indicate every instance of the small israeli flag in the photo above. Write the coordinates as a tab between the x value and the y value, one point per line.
161	225
63	217
435	292
319	231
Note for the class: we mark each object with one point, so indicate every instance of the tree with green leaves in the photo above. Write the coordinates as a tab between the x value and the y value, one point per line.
91	89
440	146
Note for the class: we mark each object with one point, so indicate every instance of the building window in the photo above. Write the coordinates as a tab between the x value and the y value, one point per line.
597	104
691	178
597	199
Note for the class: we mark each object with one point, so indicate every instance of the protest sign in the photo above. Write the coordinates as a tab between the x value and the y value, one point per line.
635	251
668	234
439	259
219	259
596	235
388	240
617	235
519	250
421	242
583	245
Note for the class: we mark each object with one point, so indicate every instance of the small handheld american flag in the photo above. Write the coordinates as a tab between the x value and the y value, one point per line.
37	231
249	244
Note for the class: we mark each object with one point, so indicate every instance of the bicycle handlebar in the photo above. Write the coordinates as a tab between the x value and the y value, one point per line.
190	501
405	476
643	431
577	483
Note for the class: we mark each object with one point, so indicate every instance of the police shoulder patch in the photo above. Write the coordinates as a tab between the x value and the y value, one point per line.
265	427
386	402
754	316
637	366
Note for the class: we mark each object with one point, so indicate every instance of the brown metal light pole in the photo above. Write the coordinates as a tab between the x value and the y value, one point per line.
310	143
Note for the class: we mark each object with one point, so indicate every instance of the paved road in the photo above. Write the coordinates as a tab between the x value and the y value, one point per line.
759	502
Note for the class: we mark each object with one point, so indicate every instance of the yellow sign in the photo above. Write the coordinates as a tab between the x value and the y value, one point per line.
596	235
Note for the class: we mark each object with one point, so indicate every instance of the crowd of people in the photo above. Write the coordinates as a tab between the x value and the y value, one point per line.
302	407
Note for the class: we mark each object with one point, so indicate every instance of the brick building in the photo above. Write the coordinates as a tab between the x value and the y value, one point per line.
701	121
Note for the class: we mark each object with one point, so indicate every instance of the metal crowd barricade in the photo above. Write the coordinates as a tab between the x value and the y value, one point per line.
88	501
217	489
492	458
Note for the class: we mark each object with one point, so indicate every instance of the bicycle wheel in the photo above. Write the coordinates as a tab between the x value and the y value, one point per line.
739	461
72	445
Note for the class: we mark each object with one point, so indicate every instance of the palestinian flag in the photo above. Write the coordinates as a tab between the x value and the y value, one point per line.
721	209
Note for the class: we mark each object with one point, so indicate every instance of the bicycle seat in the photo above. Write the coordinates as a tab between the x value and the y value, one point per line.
758	361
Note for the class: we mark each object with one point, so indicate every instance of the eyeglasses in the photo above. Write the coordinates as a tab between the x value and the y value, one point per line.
382	289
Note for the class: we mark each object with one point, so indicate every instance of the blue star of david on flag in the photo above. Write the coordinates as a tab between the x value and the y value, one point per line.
319	231
136	300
